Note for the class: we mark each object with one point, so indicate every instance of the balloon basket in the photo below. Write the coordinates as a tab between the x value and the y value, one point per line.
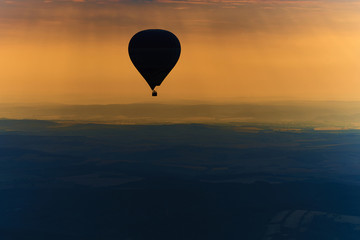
154	93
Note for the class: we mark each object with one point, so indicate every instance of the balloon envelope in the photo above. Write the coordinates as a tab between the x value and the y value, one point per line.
154	53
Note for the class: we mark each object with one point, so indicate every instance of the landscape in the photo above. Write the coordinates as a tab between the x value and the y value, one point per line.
179	120
249	180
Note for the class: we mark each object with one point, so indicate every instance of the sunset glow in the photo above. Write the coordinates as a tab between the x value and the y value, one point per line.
76	51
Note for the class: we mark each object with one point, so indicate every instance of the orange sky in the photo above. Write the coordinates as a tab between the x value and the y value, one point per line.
75	52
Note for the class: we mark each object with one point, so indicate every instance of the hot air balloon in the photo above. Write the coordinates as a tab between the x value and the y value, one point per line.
154	53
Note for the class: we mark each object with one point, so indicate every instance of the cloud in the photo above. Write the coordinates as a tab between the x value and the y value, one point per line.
163	1
113	16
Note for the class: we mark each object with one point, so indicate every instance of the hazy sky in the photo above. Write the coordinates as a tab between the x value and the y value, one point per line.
76	51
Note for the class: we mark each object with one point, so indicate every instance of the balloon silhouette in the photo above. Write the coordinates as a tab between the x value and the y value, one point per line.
154	53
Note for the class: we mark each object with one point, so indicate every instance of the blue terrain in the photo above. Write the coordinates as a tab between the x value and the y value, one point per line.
177	181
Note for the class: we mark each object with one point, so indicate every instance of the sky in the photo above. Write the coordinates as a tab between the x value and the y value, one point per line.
75	52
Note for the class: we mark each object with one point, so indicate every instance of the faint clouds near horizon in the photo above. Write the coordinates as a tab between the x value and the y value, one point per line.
248	117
